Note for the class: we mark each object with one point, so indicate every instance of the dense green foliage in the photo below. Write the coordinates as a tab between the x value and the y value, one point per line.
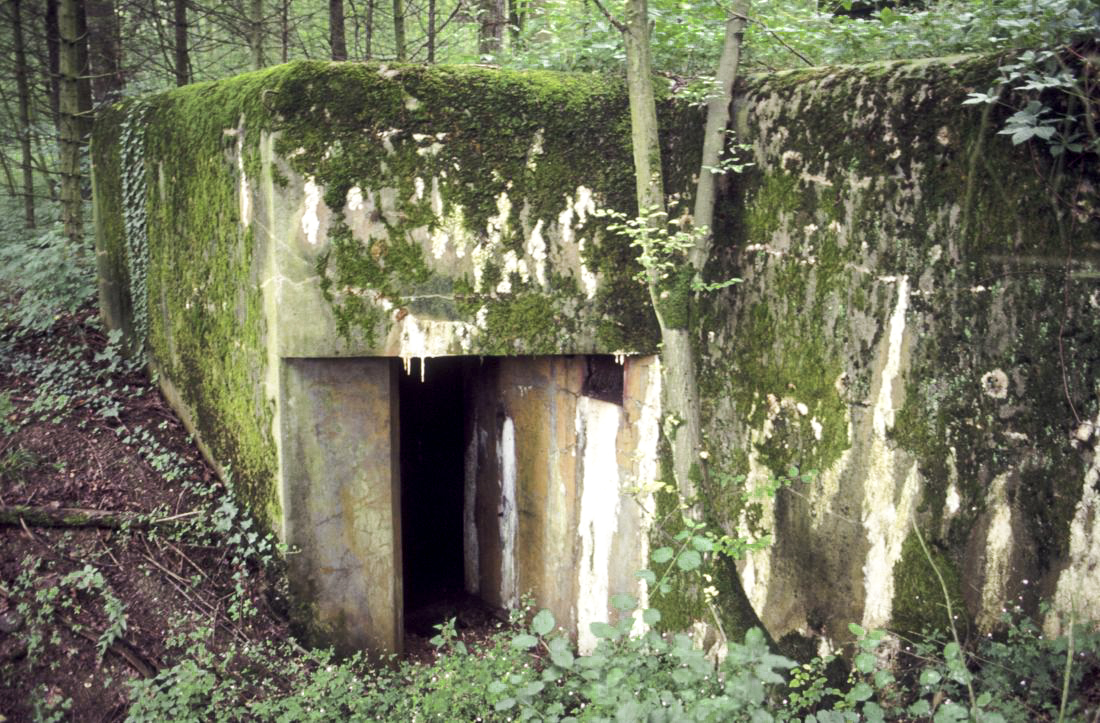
532	672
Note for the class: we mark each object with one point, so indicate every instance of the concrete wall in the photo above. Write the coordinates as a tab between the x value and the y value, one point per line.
917	327
562	508
342	499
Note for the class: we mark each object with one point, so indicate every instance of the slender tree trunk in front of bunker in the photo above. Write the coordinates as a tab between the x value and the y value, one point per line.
673	295
182	53
399	30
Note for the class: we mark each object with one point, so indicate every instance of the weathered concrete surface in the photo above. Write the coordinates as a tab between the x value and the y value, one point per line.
917	324
573	530
342	499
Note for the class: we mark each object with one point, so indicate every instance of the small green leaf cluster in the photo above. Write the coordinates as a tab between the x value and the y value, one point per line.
43	594
661	244
90	579
1058	91
15	463
820	35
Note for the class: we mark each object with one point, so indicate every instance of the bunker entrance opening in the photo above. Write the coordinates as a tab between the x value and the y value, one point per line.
432	463
453	486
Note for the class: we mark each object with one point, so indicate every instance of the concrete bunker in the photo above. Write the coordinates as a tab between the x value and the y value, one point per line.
410	488
330	219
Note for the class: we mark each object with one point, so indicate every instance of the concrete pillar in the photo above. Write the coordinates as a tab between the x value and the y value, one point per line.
342	497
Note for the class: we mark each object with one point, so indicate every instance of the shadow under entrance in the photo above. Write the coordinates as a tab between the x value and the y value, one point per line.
433	423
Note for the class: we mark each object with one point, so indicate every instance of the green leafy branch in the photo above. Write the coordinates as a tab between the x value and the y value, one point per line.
1042	76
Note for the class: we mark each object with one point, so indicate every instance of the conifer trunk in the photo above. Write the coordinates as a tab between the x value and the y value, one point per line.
24	113
182	52
70	134
399	30
337	42
256	33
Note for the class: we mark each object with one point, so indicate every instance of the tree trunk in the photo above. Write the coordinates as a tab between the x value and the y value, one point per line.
336	30
18	515
8	177
103	45
24	113
714	137
284	30
516	17
431	32
53	52
490	32
182	63
399	29
680	384
84	72
256	32
69	139
368	30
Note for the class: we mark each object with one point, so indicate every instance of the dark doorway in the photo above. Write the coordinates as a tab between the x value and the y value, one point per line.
432	420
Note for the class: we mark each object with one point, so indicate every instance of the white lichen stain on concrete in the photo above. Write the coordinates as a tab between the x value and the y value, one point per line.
998	555
436	198
584	205
412	337
886	511
589	280
1077	595
496	228
995	384
508	514
451	230
386	137
536	253
511	265
244	192
953	500
647	476
597	428
535	150
355	199
311	222
756	570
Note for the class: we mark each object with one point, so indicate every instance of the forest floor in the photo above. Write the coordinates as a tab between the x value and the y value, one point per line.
121	552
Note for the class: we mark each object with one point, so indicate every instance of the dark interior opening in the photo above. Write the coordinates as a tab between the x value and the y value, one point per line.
432	418
603	379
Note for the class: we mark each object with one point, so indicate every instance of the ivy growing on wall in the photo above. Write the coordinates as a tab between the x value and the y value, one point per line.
134	213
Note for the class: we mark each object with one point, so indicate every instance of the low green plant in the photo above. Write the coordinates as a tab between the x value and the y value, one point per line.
91	580
49	278
9	420
43	594
15	463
